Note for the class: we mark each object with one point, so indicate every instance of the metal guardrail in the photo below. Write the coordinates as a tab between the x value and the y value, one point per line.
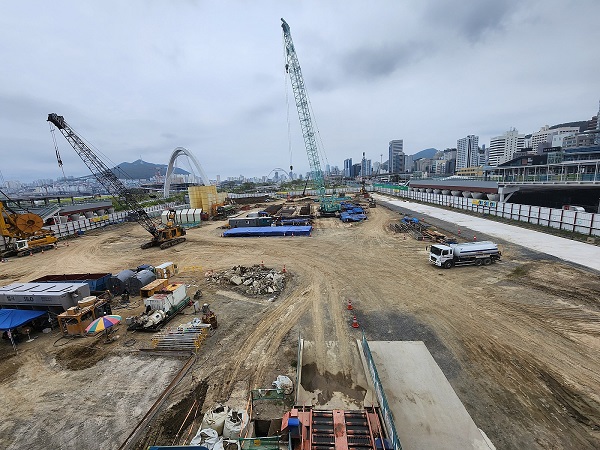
386	412
574	221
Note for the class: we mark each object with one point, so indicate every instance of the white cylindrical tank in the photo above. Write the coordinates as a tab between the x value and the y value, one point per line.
472	248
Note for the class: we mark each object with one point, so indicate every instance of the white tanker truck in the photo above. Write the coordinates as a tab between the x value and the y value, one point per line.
477	253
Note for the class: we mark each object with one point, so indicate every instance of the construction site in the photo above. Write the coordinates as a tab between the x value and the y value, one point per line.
347	321
517	342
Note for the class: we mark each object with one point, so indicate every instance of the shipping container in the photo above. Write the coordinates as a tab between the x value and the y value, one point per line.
96	281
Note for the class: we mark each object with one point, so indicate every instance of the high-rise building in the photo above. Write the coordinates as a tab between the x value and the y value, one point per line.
348	168
365	167
396	156
467	150
503	148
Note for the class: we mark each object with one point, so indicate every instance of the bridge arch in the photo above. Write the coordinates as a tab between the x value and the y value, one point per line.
176	153
279	169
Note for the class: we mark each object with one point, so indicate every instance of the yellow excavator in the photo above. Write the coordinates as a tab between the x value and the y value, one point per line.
23	233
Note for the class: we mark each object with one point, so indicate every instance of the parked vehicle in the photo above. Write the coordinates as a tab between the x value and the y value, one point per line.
477	253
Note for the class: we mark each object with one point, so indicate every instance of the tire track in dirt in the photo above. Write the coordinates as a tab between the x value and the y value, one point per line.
273	326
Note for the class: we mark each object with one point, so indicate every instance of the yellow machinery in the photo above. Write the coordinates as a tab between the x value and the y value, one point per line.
23	233
75	320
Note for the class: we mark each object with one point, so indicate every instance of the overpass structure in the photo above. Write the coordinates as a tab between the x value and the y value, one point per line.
501	190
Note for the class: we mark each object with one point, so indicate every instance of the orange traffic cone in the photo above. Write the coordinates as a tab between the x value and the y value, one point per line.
349	304
283	270
354	322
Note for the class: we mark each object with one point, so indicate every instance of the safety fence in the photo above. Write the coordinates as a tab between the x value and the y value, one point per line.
562	219
308	192
85	224
386	412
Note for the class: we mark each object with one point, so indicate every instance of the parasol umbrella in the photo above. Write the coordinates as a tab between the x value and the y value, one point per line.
103	324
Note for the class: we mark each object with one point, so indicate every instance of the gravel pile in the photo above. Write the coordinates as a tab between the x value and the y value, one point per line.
253	281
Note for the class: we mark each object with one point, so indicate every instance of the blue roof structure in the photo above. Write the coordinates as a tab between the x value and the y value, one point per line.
13	318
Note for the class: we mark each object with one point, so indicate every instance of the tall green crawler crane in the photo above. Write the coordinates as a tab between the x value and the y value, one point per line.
292	66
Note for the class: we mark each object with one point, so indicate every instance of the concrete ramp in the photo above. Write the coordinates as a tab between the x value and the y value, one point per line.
426	411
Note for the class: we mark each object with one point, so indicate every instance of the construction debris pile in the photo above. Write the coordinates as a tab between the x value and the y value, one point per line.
418	229
253	281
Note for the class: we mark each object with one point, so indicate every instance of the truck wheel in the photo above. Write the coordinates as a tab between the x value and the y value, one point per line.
478	262
487	261
448	265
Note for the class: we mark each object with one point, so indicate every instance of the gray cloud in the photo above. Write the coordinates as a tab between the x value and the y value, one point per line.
140	78
472	19
381	60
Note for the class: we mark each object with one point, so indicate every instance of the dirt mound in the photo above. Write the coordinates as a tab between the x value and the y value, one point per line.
78	356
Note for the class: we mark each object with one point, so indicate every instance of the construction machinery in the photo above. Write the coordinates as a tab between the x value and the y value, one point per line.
23	233
292	67
163	236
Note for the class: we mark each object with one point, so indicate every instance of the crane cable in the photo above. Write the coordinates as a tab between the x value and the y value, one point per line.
287	102
58	158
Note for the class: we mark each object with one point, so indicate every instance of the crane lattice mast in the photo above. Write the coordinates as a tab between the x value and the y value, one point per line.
104	175
293	68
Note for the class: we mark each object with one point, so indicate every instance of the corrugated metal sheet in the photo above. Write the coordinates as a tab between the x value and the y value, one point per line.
269	231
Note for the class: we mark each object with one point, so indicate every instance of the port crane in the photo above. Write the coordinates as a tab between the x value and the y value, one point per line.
162	236
292	67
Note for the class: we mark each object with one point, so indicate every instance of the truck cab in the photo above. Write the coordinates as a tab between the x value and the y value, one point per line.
439	254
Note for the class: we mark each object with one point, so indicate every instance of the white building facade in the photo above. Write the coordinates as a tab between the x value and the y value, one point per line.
502	148
467	150
396	156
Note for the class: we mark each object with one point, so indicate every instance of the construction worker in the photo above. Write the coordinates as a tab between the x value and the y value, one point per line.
125	296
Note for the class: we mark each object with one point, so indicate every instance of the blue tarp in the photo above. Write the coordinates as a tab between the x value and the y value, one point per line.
13	318
268	231
350	217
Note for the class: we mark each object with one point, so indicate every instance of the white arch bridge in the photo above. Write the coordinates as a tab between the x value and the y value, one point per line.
180	151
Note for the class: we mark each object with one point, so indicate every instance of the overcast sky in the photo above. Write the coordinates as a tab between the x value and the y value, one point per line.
137	79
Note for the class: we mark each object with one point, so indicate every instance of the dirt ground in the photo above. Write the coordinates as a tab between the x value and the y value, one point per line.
518	340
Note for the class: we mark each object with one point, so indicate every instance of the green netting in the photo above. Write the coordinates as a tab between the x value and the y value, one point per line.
260	443
267	394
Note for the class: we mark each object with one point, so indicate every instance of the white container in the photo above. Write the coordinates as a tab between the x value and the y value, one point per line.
215	418
235	422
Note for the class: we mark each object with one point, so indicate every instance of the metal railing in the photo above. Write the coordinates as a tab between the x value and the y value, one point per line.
568	220
386	412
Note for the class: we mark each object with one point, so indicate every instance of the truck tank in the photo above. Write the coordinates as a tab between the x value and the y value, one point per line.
139	280
472	248
118	283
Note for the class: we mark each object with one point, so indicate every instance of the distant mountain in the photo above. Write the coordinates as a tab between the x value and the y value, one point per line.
427	153
142	170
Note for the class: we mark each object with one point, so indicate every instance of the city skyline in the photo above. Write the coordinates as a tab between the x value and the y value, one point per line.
138	79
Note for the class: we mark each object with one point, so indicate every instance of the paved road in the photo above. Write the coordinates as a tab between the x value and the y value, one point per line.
577	252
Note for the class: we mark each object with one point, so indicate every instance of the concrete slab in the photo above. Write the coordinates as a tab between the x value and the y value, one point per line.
587	255
427	412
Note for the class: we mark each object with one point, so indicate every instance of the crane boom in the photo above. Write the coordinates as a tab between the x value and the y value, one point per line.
293	68
113	185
